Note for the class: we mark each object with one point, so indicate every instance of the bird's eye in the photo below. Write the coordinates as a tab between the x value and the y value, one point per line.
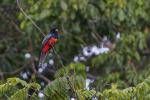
56	30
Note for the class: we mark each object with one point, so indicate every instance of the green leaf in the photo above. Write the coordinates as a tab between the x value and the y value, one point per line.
63	5
60	88
57	90
21	94
11	82
121	15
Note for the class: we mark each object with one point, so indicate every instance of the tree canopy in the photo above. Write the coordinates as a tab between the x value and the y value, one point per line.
104	41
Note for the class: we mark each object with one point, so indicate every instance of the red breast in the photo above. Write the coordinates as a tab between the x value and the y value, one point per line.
48	45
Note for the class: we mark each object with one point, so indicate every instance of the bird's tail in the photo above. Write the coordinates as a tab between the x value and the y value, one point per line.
41	59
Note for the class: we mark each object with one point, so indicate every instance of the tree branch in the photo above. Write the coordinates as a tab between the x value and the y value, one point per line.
17	71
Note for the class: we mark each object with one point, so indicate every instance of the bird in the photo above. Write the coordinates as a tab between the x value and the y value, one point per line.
47	44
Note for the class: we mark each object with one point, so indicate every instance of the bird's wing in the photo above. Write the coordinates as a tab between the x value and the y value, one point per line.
46	38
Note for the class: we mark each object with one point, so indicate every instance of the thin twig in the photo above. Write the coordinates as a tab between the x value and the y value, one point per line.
21	9
42	77
68	79
14	72
58	56
72	86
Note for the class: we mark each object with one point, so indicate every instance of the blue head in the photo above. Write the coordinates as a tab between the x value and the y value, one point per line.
54	32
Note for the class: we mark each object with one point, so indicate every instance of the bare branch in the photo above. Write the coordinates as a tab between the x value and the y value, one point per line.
39	75
17	71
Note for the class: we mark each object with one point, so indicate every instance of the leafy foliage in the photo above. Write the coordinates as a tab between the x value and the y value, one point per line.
13	84
61	87
141	91
20	95
121	73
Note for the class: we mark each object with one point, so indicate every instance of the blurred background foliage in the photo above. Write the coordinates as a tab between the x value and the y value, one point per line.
85	23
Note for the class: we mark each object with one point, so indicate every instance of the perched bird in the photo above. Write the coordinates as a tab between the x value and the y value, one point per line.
48	42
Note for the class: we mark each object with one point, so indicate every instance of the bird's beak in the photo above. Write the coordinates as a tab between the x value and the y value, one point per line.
61	32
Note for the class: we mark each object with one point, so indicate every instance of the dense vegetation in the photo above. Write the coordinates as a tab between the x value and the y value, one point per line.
120	73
